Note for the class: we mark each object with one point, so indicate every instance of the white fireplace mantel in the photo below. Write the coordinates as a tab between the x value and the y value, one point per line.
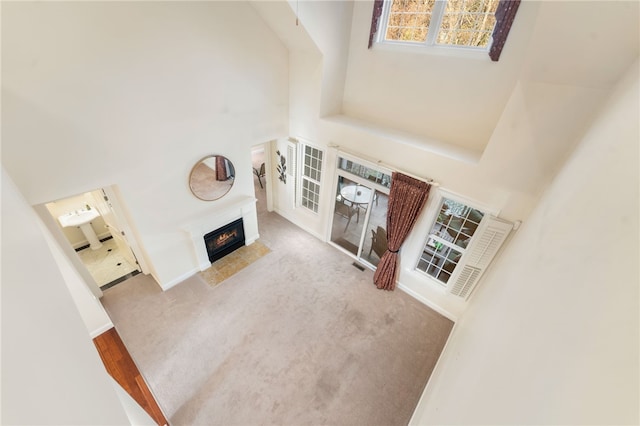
218	216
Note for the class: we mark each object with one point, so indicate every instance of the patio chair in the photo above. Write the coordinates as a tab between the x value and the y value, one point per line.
346	210
378	241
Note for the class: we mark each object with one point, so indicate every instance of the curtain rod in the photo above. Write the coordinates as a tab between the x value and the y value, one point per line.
388	166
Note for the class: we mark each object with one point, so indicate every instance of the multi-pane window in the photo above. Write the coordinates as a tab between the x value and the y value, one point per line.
311	174
448	239
365	172
467	23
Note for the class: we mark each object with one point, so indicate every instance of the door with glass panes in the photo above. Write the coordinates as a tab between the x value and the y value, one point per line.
359	218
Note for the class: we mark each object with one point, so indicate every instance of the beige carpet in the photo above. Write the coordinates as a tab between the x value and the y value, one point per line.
298	337
234	262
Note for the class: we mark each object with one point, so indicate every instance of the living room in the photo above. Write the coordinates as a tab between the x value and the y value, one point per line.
133	94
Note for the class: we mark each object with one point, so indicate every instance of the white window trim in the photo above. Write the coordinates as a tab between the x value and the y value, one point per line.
430	44
421	49
440	195
300	174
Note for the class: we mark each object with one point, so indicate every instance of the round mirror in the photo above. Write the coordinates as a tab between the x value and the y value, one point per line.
212	177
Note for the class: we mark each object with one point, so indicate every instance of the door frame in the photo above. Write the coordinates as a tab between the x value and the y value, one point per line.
266	152
122	217
362	181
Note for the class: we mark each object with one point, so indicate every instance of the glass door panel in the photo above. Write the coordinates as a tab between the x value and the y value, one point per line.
350	212
360	220
375	241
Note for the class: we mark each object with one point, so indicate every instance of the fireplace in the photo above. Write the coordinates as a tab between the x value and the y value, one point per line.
224	240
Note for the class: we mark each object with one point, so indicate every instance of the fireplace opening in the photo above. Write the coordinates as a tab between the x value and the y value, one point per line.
224	240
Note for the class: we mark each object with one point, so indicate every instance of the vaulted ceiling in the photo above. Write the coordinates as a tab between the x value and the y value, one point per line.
456	100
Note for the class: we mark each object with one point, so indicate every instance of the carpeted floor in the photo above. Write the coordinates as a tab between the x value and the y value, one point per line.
298	337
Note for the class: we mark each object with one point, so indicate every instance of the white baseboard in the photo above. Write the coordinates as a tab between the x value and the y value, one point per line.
430	304
434	374
293	220
179	279
201	267
250	240
98	331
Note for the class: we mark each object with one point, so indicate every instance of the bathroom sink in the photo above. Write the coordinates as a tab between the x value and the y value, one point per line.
77	218
81	219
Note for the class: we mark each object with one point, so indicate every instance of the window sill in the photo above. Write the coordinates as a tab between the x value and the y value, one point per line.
452	52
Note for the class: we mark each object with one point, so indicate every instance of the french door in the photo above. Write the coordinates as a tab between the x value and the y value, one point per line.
359	217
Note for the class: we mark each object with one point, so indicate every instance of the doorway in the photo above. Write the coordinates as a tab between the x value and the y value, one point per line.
91	227
259	165
359	217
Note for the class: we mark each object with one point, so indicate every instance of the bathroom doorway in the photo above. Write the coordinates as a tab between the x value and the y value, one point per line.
94	231
260	164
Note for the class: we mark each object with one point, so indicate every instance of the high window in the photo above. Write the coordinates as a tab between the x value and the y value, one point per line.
472	24
453	22
310	176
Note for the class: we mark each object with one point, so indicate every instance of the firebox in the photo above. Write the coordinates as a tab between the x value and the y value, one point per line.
224	240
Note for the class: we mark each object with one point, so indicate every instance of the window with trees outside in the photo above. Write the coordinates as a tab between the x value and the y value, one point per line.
454	227
473	24
310	176
466	23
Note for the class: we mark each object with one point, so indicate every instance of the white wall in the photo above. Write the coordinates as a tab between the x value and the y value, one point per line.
133	94
431	94
552	336
544	112
152	87
93	314
51	371
329	26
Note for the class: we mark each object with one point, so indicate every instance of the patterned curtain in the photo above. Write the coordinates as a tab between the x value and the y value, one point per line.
505	14
221	168
407	197
377	12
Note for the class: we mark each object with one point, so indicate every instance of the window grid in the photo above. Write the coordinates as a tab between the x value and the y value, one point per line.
468	23
365	172
449	237
311	174
440	260
465	23
310	195
409	20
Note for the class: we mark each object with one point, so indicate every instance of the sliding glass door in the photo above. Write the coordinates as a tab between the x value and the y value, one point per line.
360	210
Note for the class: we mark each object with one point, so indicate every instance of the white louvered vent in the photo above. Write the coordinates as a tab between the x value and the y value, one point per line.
292	168
292	157
468	276
485	246
488	242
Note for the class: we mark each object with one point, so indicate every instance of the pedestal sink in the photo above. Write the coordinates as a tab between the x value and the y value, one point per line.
82	219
